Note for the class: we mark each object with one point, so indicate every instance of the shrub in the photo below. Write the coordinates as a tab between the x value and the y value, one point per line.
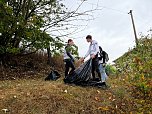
110	70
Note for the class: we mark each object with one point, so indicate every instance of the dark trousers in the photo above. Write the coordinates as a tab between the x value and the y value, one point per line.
95	67
68	64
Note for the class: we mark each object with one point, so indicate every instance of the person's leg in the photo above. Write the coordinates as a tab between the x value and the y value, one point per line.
93	69
72	67
66	68
103	73
100	69
104	76
96	64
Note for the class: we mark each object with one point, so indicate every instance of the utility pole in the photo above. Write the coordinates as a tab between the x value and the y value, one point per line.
136	40
150	31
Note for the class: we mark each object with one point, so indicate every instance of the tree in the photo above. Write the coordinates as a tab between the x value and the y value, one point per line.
24	25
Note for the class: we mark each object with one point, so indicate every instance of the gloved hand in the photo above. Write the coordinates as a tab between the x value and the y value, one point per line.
104	64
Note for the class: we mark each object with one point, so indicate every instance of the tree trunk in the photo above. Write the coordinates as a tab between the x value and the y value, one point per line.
49	56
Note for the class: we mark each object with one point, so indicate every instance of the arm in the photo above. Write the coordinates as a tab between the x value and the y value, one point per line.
75	50
76	47
86	55
70	56
68	50
96	48
88	52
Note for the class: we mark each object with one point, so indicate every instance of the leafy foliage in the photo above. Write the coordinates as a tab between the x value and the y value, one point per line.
29	25
111	70
137	65
23	26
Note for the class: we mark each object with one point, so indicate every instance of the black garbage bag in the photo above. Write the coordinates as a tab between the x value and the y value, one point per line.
83	76
80	75
54	75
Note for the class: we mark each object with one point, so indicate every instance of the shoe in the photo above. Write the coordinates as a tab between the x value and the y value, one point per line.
95	79
102	84
99	82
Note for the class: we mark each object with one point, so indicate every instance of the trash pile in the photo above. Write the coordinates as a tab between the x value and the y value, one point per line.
81	76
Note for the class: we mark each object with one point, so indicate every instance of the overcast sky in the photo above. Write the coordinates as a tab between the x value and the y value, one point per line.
112	26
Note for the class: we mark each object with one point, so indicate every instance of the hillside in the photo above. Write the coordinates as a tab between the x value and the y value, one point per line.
24	91
33	36
136	67
136	64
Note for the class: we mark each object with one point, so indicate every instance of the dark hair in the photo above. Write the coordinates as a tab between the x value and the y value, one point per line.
89	37
100	48
70	40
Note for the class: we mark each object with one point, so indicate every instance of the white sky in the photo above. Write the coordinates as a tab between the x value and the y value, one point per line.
112	26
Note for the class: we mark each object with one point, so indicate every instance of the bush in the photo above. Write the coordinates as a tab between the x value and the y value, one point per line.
110	70
137	64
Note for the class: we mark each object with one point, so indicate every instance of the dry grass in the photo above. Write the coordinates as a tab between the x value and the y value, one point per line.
28	93
30	66
36	96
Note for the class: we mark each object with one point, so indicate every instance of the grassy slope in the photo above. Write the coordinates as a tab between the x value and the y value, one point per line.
136	66
36	96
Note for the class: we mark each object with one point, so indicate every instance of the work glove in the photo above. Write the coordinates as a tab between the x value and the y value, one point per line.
104	64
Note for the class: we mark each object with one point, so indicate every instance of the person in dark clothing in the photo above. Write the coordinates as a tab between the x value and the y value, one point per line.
93	52
68	57
102	66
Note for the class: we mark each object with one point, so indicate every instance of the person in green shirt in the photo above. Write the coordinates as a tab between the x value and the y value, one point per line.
70	50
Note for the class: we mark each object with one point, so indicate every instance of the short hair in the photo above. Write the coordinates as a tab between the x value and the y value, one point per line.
100	48
89	37
70	40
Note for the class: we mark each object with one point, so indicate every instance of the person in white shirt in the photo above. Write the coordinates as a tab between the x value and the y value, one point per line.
93	52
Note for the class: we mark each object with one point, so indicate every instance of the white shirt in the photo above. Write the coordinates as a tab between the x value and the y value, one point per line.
93	48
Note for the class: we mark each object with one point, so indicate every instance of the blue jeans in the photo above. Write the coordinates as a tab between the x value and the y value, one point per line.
103	73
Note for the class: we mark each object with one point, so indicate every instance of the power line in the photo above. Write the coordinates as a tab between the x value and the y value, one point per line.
114	10
105	7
